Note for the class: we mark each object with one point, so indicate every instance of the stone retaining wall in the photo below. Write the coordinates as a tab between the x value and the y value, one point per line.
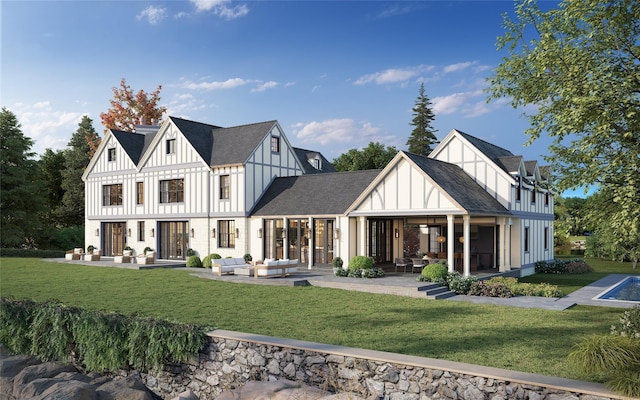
232	359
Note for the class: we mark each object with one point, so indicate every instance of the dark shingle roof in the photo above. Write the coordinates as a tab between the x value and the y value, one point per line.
132	143
234	145
460	186
304	155
316	194
509	164
495	153
198	134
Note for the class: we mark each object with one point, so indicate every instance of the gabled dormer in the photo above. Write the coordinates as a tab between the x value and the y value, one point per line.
118	152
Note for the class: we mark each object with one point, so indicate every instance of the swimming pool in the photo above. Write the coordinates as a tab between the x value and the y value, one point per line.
628	289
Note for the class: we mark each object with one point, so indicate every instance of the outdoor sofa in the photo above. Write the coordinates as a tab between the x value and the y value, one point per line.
74	254
227	265
273	268
94	255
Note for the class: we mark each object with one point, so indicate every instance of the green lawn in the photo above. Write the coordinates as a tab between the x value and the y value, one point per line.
535	341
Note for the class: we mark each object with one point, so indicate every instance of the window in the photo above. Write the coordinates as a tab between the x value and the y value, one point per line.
227	233
225	186
533	196
111	154
275	144
546	238
546	199
172	191
139	192
140	231
112	195
316	163
518	192
526	239
171	146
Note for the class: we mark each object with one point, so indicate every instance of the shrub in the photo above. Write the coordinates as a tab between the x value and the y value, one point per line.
575	266
190	252
629	324
517	288
147	249
362	272
194	262
490	289
361	262
215	256
247	258
337	262
32	253
90	248
434	272
458	283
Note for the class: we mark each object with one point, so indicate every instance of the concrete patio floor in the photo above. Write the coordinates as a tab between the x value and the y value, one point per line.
394	283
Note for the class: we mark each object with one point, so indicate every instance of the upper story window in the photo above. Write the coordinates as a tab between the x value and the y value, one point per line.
227	233
533	196
546	238
112	195
111	154
275	144
172	191
518	192
225	187
526	239
546	199
139	192
171	146
316	163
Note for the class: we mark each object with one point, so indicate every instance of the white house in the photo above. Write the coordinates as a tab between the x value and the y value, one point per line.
245	189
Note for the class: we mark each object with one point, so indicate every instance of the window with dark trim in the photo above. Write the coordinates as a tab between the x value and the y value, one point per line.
139	192
227	233
275	144
526	239
112	195
111	154
172	191
171	146
533	196
546	199
518	192
225	187
141	231
546	238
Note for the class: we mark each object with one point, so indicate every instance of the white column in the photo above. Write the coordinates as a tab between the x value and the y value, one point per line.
466	246
450	242
285	239
503	244
361	234
312	244
507	264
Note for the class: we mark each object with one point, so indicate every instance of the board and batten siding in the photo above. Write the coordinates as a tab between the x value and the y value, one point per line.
406	191
489	176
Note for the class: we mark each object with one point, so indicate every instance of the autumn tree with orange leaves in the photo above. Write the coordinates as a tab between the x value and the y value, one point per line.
129	109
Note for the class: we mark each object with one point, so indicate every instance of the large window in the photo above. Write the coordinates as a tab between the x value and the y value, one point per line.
171	146
227	233
141	231
112	195
111	154
225	187
275	144
172	191
139	192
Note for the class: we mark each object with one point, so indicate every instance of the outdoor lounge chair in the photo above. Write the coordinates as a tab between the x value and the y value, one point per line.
124	258
149	258
93	255
418	263
402	263
74	254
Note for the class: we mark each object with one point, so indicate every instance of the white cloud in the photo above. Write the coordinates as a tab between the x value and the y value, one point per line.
153	14
220	8
264	86
342	130
449	104
228	84
393	75
458	66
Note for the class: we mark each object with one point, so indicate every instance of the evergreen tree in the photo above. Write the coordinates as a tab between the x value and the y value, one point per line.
51	166
423	135
77	157
20	184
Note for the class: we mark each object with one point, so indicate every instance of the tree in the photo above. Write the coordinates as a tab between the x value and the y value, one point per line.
19	184
423	135
51	166
77	157
374	156
579	67
129	109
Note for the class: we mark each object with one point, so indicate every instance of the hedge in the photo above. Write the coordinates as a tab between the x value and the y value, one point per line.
31	253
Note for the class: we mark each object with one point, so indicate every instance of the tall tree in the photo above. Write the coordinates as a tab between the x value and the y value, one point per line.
423	135
20	184
374	156
77	157
579	66
129	109
51	166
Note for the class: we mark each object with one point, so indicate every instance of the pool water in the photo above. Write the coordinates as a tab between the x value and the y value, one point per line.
627	289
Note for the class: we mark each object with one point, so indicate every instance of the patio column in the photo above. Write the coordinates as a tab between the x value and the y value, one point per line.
450	242
503	244
311	247
362	236
507	263
285	238
466	245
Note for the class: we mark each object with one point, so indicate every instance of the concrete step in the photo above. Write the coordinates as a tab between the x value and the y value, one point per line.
435	291
442	295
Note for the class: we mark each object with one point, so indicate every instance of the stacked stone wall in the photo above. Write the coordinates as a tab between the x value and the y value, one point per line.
228	363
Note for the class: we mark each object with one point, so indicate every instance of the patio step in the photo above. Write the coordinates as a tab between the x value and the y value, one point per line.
435	291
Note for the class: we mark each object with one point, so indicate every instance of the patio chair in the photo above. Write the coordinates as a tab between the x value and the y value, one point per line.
93	256
124	258
149	258
418	263
74	254
403	263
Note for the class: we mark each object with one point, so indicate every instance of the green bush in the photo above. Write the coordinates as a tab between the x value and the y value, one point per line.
67	238
575	266
629	324
337	262
360	262
458	283
491	287
99	341
190	252
207	261
32	253
194	262
247	258
434	272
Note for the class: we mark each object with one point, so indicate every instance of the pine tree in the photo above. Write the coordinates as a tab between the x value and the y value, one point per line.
77	157
423	135
20	183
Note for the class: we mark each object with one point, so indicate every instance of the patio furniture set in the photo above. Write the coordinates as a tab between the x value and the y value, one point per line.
127	256
267	268
79	254
419	263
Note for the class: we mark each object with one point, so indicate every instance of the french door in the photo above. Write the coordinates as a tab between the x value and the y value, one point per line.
113	238
380	240
173	240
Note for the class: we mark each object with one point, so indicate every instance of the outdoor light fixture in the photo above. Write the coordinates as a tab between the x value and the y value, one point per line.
237	233
193	233
441	239
461	239
336	233
97	232
259	233
129	232
396	233
213	233
153	232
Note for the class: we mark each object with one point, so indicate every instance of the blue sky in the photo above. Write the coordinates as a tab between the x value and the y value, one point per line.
335	74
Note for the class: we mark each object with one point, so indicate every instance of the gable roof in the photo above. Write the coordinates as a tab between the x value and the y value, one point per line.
304	156
234	145
490	150
132	143
315	194
459	186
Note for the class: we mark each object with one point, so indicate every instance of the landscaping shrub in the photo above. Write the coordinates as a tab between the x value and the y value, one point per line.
458	283
190	252
207	261
361	262
575	266
629	324
337	262
434	272
32	253
98	341
490	289
194	262
247	258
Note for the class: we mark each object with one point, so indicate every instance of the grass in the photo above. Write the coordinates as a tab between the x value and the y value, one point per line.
528	340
